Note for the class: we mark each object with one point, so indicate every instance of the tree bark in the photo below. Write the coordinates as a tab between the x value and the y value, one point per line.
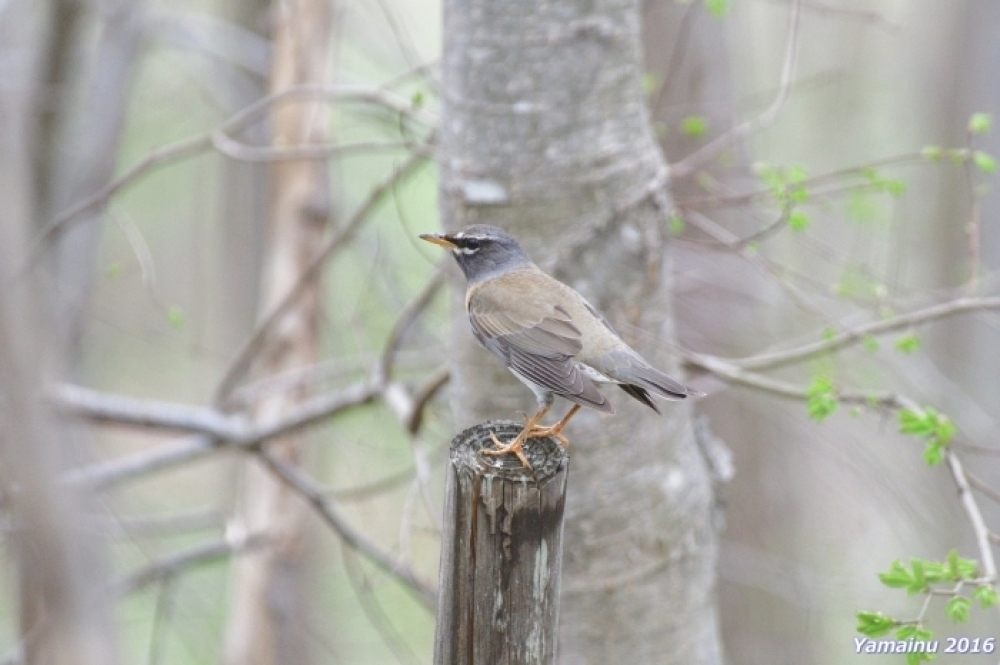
545	132
268	609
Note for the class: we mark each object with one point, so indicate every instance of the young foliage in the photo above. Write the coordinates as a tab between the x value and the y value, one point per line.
908	344
821	399
717	8
694	126
932	578
936	428
980	123
875	624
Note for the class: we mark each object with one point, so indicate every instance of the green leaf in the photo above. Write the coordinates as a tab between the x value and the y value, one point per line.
821	400
986	594
967	568
895	188
175	316
953	565
935	571
898	576
875	624
919	423
944	429
907	631
798	194
919	580
933	453
980	123
717	8
871	343
908	344
957	609
676	225
795	174
984	162
114	270
917	657
417	100
694	126
798	220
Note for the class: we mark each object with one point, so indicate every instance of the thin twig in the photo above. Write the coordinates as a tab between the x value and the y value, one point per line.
405	321
975	516
735	374
713	149
423	395
248	153
180	562
983	487
307	488
244	357
214	428
853	335
202	143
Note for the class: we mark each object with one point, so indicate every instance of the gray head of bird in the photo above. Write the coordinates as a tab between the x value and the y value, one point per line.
482	251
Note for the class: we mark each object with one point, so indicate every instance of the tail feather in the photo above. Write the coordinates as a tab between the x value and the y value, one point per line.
640	394
636	373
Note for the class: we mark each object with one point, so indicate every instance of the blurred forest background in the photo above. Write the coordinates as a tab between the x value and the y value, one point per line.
836	247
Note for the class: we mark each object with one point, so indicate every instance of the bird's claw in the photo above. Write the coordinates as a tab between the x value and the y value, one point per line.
543	432
516	446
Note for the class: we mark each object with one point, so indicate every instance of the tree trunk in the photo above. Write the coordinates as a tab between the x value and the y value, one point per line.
64	608
268	609
545	132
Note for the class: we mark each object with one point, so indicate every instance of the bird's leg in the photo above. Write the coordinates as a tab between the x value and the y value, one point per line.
556	430
515	446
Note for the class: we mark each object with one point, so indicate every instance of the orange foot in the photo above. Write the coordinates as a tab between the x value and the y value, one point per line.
516	446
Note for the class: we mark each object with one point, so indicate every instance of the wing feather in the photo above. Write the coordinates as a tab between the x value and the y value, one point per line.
538	344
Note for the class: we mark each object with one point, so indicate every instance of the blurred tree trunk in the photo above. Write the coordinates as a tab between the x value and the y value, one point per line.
268	615
243	210
62	120
545	132
725	305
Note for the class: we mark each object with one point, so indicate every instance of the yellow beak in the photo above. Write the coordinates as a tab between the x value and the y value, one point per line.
438	239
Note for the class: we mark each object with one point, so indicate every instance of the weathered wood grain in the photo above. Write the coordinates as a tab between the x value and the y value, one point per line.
501	552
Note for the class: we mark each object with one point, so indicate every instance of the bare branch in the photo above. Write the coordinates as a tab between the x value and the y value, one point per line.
249	153
720	144
405	321
856	334
424	395
214	427
355	539
975	516
104	407
983	487
733	373
180	562
244	357
202	143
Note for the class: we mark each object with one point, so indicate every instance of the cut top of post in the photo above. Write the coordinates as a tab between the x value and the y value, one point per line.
546	456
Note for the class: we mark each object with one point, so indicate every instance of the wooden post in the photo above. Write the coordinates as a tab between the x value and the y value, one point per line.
501	552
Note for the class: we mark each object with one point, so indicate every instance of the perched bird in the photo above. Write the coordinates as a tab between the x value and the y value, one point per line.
546	333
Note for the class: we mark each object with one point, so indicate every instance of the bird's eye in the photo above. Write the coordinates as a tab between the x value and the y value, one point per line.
472	243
